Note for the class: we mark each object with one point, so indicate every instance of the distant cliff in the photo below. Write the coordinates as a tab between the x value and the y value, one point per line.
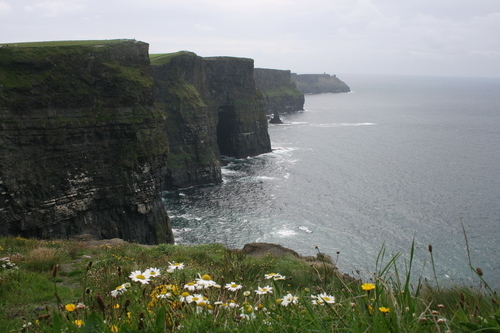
212	108
319	83
82	147
280	92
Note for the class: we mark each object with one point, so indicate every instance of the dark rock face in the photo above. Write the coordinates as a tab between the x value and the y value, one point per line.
319	83
280	92
82	148
212	108
193	157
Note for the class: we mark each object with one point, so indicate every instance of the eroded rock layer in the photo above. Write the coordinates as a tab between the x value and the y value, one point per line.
82	147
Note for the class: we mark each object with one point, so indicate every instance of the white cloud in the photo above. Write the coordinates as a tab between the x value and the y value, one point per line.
5	8
54	8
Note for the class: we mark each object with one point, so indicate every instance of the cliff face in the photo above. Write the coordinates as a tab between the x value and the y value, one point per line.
280	92
193	157
212	108
319	83
82	147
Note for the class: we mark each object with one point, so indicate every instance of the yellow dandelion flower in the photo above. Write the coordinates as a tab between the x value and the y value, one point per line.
70	307
78	322
114	328
383	309
367	286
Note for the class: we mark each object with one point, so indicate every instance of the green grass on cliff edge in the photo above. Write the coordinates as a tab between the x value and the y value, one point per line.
67	43
77	286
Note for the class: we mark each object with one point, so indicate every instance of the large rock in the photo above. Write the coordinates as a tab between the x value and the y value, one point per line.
82	147
279	90
212	108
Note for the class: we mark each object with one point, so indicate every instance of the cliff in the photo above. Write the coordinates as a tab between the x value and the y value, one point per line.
213	109
279	91
319	83
82	147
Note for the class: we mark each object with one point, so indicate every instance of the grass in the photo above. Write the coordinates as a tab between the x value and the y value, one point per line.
67	43
69	286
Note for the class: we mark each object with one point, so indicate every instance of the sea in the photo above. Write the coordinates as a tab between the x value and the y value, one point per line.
396	165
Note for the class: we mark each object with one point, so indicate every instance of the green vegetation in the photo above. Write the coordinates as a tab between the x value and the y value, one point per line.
164	58
209	288
68	43
282	91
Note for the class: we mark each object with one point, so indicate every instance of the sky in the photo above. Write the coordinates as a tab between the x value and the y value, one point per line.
401	37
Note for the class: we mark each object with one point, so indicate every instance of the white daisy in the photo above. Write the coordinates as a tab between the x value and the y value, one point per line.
264	290
138	276
289	299
233	286
152	272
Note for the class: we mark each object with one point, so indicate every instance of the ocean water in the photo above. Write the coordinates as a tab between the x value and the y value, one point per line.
398	160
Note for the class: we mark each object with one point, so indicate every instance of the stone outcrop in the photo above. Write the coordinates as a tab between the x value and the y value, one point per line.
319	83
280	93
82	147
213	109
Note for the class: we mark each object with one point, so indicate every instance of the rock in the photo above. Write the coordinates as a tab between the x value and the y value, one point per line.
276	119
213	109
279	90
82	147
262	249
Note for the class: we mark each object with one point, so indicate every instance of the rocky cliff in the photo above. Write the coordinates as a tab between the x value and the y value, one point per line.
319	83
280	92
82	147
212	108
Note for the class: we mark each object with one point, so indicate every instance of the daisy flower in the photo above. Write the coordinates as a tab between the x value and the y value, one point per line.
119	290
175	266
289	299
321	299
274	276
264	290
138	276
152	272
191	286
233	286
206	281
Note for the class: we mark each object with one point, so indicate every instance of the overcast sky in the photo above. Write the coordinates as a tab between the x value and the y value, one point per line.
421	37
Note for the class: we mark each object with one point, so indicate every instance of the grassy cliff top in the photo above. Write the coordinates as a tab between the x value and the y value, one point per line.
77	286
68	43
159	59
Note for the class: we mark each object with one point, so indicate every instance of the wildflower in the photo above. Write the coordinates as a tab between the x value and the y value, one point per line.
367	286
184	295
247	312
152	272
138	276
233	286
321	299
114	328
206	281
274	276
191	286
81	306
246	293
70	307
119	290
116	306
174	266
264	290
384	309
78	322
289	299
